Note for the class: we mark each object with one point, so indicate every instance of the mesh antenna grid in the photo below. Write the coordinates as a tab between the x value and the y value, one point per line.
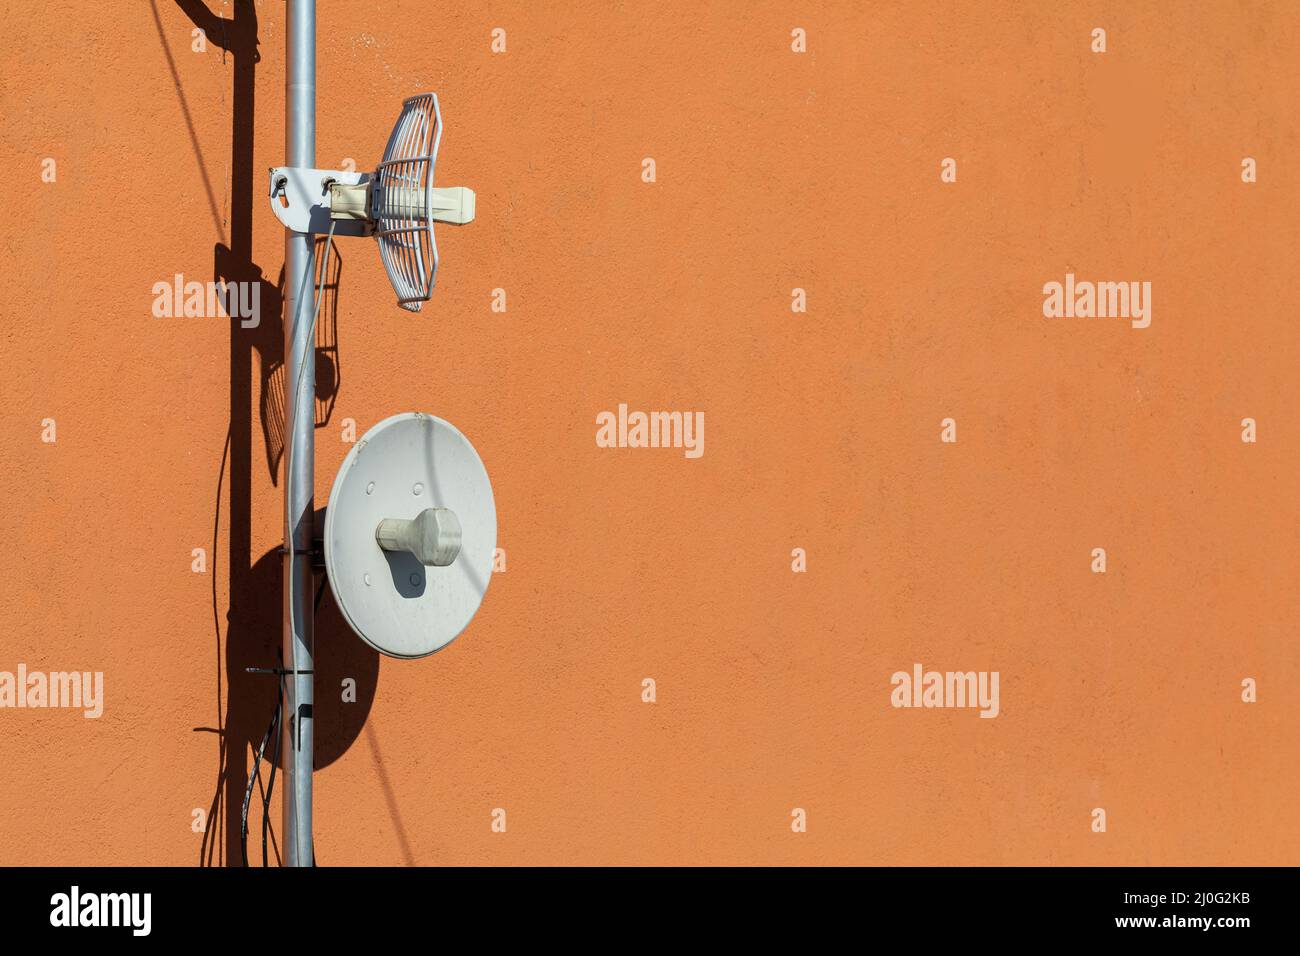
397	204
403	200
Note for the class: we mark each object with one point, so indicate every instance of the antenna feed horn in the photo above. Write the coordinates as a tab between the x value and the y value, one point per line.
432	536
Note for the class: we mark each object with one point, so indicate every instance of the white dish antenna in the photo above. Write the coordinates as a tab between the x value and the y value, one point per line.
397	203
410	532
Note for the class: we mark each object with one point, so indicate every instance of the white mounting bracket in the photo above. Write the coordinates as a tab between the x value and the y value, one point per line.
300	199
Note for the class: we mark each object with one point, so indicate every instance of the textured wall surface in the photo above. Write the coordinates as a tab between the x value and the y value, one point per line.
774	170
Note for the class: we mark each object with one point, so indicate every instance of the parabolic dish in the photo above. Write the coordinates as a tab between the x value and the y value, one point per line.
402	466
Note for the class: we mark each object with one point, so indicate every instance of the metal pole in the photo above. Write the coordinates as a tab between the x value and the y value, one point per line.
300	453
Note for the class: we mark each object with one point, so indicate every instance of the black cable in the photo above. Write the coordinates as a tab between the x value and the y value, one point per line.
275	763
253	777
272	732
320	592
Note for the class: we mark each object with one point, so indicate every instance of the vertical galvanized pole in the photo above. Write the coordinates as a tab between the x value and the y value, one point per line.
300	453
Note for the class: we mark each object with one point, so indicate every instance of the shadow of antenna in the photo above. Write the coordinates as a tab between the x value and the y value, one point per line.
329	368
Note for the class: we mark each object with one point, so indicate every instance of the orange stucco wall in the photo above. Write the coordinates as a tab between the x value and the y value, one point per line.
775	170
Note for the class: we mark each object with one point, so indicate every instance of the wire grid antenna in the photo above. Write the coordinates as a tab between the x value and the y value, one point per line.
403	203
